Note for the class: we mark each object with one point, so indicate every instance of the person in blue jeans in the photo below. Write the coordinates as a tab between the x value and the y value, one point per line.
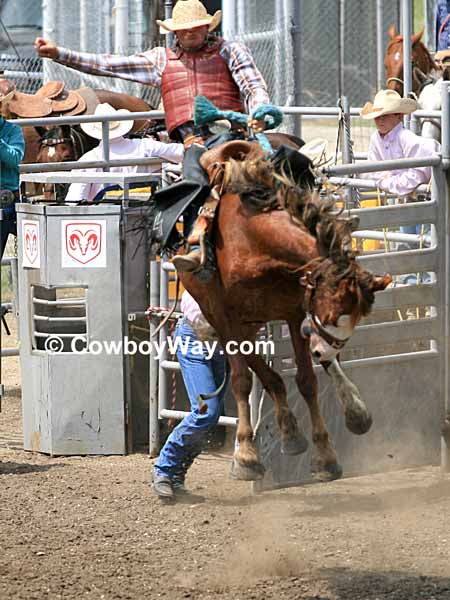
12	151
201	375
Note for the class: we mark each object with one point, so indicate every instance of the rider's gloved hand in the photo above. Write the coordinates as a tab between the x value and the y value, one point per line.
258	125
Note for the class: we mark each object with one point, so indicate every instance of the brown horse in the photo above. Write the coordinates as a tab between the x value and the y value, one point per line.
422	62
283	254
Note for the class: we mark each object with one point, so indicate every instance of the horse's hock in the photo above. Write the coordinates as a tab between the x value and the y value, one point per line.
78	278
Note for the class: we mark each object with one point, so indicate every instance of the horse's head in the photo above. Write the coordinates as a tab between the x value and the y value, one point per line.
336	298
61	144
422	63
55	145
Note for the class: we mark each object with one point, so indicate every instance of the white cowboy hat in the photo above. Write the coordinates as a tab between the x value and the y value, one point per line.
388	102
188	14
316	151
116	128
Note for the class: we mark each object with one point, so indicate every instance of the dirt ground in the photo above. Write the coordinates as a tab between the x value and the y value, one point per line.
90	527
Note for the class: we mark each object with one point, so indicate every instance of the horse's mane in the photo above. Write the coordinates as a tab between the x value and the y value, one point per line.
264	190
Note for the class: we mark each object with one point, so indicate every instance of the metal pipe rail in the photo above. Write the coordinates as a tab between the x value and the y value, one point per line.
367	184
382	165
133	116
92	164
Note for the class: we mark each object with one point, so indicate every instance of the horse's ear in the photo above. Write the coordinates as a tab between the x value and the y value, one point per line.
392	32
380	282
416	37
41	131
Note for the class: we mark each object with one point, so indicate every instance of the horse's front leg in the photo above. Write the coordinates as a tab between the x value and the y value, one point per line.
324	463
246	464
292	439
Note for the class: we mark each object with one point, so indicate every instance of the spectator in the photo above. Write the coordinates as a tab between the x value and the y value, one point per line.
393	141
12	150
120	148
442	26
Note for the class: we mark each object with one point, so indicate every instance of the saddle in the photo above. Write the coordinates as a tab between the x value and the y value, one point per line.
215	161
53	100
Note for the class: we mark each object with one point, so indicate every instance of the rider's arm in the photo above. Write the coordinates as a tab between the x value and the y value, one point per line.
146	67
12	146
246	74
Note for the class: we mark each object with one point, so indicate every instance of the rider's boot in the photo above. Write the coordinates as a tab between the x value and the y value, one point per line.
196	258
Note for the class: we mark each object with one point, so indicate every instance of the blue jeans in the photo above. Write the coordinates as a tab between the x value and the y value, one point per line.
201	376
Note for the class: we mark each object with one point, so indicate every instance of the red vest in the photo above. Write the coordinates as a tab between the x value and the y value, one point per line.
200	73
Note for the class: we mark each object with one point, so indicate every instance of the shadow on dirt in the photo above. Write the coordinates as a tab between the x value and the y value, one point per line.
13	468
388	585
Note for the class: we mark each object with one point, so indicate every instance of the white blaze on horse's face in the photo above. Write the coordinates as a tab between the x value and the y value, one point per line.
397	56
323	350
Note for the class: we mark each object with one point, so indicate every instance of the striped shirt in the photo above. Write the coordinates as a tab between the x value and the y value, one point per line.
148	67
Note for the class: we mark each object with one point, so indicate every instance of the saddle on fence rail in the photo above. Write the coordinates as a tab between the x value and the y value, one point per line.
53	100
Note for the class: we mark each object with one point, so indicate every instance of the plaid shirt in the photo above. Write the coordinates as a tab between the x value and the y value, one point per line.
148	67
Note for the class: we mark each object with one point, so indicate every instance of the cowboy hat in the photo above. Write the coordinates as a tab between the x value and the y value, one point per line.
316	151
388	102
116	128
188	14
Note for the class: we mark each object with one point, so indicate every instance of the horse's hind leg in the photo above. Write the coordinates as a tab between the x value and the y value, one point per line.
292	440
246	464
324	463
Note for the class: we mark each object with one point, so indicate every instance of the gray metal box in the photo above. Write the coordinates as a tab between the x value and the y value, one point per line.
79	274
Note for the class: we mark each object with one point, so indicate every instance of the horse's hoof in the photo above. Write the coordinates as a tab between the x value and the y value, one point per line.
294	445
246	472
329	472
358	419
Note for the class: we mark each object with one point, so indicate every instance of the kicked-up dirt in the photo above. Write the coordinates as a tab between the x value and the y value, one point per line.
90	527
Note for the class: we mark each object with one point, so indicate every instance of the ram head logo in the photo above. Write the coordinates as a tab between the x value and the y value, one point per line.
83	241
30	237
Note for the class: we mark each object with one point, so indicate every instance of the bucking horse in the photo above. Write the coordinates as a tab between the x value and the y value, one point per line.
282	252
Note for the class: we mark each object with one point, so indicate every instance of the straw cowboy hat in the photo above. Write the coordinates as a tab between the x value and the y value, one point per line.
116	128
188	14
388	102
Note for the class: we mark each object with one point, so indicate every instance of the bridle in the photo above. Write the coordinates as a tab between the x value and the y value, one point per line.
75	139
313	323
